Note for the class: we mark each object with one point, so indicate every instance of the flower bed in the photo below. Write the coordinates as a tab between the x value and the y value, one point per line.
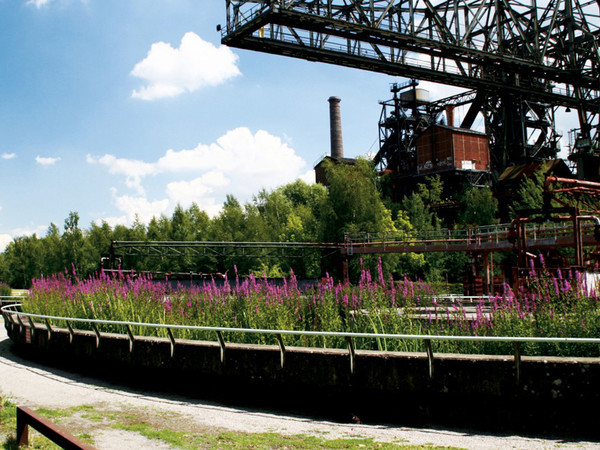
553	306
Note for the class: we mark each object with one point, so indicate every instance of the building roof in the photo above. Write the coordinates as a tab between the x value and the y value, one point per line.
351	161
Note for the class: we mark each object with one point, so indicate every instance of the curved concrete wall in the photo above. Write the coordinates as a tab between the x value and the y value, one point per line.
550	394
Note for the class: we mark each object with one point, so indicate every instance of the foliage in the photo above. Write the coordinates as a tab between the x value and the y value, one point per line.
530	194
5	290
418	204
353	203
296	212
478	207
289	213
553	305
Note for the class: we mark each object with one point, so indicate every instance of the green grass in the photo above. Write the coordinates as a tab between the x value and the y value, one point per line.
237	440
145	422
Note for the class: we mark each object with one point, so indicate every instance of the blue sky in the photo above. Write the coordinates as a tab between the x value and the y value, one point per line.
113	108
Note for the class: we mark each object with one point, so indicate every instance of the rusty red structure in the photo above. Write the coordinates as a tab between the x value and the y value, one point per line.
570	201
569	219
441	147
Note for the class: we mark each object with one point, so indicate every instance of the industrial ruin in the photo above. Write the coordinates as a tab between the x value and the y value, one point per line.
519	63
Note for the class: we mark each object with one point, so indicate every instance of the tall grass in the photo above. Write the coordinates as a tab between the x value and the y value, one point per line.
552	305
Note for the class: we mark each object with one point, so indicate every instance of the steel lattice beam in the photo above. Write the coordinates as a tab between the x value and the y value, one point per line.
546	53
515	54
219	249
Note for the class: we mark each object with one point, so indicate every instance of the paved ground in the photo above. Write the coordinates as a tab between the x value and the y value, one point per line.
37	386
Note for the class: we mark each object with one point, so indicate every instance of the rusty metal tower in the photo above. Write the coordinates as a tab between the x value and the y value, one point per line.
522	58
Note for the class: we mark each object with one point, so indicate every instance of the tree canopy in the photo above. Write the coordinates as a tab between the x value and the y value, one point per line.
296	212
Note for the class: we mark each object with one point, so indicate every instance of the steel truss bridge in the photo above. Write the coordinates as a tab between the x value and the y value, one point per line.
220	249
495	238
523	58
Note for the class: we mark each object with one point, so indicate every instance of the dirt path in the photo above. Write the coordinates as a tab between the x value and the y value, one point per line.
27	383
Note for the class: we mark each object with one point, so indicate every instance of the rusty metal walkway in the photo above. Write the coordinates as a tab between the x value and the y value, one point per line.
482	239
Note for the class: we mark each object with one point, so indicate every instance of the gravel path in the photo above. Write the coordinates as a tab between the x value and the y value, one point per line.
27	383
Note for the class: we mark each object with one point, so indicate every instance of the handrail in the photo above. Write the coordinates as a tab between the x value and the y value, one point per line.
27	417
6	310
486	233
10	299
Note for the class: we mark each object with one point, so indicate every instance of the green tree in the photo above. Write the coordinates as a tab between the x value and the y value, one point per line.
24	257
353	205
54	261
418	204
99	238
478	207
530	194
77	252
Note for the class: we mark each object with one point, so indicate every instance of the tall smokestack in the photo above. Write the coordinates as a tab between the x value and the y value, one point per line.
335	124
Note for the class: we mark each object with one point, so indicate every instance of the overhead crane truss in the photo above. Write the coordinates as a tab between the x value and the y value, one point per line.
539	55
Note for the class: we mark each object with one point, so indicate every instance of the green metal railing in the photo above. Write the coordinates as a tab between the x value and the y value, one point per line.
14	317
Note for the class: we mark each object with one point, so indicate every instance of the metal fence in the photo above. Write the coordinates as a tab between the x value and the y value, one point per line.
13	316
10	299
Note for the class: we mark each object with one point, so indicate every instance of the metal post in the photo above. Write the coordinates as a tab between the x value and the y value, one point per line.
131	338
49	328
429	357
352	353
97	334
222	344
71	332
282	349
22	429
517	346
172	339
31	325
486	269
345	272
578	240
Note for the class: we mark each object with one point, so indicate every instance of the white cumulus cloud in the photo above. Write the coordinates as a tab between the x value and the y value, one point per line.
170	71
240	163
200	190
133	169
46	161
141	207
9	155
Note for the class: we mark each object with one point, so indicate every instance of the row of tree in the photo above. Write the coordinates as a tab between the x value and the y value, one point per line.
296	212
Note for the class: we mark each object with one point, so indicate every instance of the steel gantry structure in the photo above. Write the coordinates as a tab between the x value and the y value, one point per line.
523	58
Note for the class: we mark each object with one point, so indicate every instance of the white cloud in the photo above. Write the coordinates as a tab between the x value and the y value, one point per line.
239	163
5	239
9	155
38	3
199	190
133	169
308	177
172	71
46	161
141	207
